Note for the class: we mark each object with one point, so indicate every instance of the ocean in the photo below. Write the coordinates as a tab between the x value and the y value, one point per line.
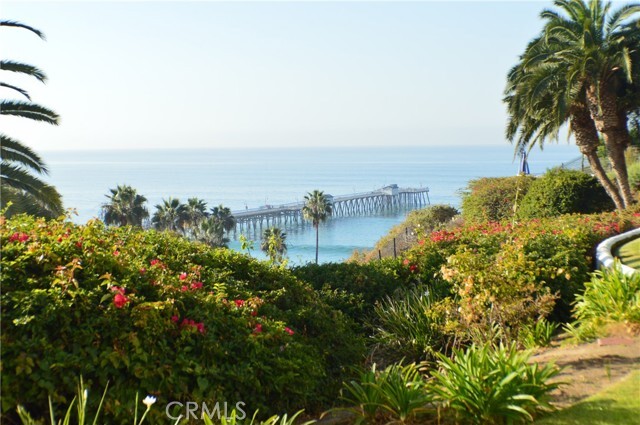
241	178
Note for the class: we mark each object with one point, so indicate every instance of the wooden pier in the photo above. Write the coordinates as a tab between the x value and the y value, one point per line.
387	198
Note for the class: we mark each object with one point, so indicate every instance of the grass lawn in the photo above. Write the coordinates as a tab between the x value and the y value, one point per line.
629	253
616	405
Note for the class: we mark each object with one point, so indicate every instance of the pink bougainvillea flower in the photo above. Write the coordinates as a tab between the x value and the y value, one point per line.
19	237
119	300
200	327
184	288
289	331
257	329
239	303
117	289
196	285
183	276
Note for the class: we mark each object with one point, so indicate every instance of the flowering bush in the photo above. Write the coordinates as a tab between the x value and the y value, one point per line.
148	311
493	265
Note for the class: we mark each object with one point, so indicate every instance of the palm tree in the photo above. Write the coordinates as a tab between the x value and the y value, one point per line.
125	207
211	232
535	101
170	215
274	244
18	185
590	57
195	211
224	215
317	208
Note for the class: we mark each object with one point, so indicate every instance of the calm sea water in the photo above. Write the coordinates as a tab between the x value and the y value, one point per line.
252	178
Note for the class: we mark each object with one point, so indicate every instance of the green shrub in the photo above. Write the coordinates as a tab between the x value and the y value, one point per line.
493	385
395	395
561	191
355	288
414	327
493	198
149	311
610	296
431	217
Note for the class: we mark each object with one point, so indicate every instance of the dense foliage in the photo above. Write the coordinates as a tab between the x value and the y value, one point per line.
493	198
561	191
508	273
152	312
609	297
356	288
493	385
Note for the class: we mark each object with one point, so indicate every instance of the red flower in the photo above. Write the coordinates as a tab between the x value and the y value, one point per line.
116	253
257	329
184	288
200	327
20	237
413	268
196	285
79	244
239	303
183	276
154	262
289	331
117	289
406	261
254	313
59	238
175	319
119	300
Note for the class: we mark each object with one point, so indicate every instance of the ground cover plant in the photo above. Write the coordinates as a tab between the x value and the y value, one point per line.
152	312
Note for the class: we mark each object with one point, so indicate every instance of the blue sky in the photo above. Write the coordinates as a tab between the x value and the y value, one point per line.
244	74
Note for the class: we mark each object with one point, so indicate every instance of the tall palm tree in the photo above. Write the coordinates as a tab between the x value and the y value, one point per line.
224	215
18	185
125	207
195	210
535	99
211	232
170	215
274	244
317	208
590	57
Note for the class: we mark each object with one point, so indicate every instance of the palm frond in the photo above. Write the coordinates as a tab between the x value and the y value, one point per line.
12	150
28	110
23	68
18	89
21	25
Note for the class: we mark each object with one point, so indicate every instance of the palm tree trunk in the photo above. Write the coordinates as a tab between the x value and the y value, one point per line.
586	135
612	125
317	242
